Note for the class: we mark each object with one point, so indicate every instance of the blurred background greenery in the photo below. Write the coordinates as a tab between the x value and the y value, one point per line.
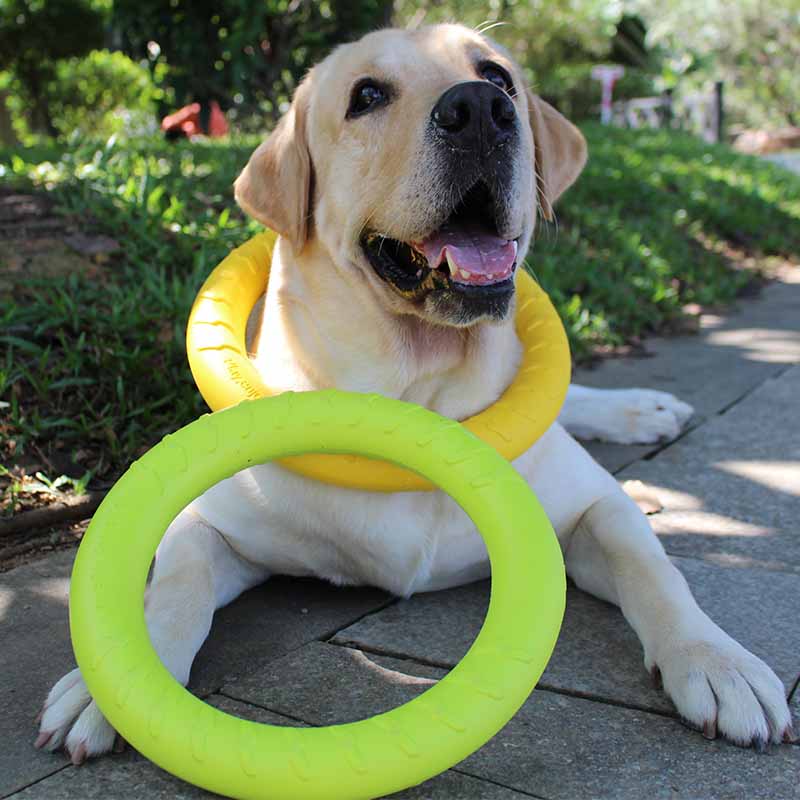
73	65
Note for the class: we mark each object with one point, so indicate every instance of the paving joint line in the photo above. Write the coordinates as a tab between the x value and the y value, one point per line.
703	420
447	667
795	691
484	779
543	687
217	689
626	464
779	372
609	701
252	703
326	637
423	662
34	782
293	718
660	448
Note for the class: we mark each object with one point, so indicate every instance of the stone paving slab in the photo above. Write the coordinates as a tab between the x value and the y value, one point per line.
566	748
729	357
731	488
557	746
35	650
131	776
270	620
598	654
615	457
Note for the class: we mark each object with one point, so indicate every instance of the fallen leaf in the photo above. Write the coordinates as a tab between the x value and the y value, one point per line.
644	497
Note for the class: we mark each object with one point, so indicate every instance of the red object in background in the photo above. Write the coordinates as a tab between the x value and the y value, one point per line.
217	124
186	122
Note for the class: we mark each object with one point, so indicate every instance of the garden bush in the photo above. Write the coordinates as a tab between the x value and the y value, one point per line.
101	94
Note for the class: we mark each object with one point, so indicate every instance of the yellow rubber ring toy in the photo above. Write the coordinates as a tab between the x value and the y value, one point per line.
215	343
365	759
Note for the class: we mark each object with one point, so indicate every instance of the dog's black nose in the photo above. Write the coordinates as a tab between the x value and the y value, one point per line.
476	115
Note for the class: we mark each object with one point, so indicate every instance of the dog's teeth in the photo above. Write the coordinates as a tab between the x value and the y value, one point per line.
419	273
466	274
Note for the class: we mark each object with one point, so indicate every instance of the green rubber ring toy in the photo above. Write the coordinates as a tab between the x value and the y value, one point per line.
365	759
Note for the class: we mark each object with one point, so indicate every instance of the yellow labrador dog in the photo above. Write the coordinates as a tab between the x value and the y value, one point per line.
405	182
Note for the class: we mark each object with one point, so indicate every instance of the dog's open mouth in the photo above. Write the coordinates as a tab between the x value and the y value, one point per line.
465	255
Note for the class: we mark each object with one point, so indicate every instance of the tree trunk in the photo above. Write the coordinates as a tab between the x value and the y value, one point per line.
8	137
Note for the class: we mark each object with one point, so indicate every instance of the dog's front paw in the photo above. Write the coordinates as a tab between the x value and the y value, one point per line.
70	718
718	686
644	416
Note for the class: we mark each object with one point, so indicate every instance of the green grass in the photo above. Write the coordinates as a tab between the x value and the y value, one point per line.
93	366
645	230
96	363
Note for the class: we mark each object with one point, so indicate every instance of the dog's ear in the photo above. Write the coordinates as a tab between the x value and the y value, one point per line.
275	186
559	152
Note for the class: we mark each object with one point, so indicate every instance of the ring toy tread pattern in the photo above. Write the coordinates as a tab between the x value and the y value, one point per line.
363	759
225	375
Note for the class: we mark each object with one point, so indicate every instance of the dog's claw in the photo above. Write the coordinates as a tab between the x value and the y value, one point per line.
759	744
119	744
42	739
655	675
78	755
710	729
789	736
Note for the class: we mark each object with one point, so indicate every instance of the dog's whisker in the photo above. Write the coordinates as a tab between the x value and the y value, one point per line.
488	25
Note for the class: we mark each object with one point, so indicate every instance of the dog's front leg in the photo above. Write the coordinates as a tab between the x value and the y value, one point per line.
714	682
195	573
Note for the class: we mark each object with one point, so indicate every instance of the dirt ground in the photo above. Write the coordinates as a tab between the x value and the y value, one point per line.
36	242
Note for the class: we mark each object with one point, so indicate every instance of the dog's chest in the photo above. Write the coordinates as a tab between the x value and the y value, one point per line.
403	543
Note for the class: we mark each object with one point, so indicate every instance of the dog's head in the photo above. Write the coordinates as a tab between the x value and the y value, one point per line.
418	160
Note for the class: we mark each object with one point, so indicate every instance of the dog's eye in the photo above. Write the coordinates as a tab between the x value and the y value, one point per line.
498	76
367	95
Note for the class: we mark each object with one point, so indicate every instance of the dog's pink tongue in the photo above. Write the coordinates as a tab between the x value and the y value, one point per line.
474	256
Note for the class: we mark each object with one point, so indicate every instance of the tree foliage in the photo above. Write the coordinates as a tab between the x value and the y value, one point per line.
250	54
557	42
101	94
752	45
246	54
540	34
35	34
